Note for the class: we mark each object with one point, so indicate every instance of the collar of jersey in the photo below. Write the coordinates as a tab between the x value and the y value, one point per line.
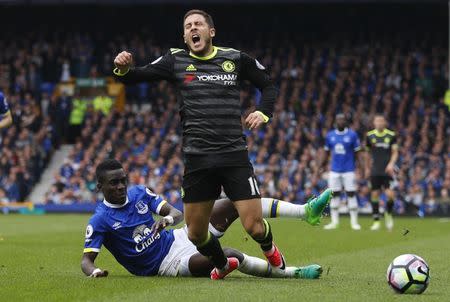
380	133
115	206
210	56
341	132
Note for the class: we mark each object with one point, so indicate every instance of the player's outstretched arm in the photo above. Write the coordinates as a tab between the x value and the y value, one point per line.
6	120
88	267
159	69
170	216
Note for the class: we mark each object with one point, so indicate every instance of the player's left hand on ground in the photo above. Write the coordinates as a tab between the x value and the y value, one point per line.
98	273
160	225
254	120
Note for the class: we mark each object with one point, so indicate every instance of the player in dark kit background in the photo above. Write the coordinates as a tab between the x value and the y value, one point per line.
208	82
382	144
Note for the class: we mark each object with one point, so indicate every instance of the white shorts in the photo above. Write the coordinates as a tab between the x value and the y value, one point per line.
338	181
176	262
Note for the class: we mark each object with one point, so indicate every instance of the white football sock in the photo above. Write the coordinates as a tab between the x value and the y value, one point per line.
254	266
257	267
288	272
278	208
214	231
353	209
334	209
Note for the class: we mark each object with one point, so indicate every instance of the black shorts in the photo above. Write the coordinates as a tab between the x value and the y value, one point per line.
239	183
381	182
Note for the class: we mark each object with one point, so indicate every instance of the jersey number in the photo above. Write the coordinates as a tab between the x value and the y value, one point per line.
253	185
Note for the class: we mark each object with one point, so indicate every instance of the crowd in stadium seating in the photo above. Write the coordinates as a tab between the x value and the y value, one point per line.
359	78
26	148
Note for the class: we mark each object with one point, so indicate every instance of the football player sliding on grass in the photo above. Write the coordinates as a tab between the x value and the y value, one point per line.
124	224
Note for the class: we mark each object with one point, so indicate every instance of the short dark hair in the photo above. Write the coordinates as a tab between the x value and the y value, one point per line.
106	165
207	16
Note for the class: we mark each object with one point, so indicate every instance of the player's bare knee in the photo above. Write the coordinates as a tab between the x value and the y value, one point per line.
197	237
255	228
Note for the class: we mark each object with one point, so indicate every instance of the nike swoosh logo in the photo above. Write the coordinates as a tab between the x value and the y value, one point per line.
420	270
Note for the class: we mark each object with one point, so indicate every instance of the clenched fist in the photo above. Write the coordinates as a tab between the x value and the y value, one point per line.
123	61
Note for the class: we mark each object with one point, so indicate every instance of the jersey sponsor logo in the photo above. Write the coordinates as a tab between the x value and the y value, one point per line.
217	77
141	207
339	149
191	68
143	237
228	79
382	145
228	66
89	231
188	78
259	65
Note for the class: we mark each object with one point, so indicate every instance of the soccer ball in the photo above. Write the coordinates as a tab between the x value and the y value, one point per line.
408	274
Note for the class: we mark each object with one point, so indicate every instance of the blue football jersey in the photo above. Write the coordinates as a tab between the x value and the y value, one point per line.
3	104
125	231
342	145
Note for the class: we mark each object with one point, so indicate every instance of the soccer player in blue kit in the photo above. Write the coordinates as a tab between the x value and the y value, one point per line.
124	224
5	113
343	144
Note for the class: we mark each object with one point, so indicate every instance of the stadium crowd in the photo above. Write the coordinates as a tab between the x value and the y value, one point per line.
403	78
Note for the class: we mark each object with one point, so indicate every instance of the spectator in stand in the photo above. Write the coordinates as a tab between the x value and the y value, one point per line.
340	73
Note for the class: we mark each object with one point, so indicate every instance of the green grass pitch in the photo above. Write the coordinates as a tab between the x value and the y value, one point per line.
40	261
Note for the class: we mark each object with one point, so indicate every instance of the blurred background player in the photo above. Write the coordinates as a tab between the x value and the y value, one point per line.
382	144
342	144
5	114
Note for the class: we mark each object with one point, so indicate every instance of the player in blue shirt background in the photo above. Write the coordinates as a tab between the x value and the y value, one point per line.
124	224
5	114
342	144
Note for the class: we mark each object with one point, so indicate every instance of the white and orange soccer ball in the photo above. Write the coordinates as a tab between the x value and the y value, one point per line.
408	274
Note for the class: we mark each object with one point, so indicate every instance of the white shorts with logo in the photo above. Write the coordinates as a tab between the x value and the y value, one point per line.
342	181
176	262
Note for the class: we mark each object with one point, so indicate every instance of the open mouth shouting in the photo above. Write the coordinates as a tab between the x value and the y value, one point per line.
196	40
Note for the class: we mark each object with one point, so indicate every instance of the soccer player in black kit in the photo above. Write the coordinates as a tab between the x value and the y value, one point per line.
215	151
382	145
